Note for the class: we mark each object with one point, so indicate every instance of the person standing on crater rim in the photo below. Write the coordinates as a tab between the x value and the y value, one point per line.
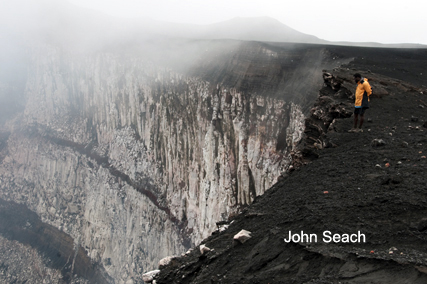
361	104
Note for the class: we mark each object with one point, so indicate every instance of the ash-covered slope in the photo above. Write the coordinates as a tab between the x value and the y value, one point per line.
350	184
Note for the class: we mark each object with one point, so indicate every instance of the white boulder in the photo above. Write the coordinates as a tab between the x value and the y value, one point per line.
165	261
204	249
242	236
149	276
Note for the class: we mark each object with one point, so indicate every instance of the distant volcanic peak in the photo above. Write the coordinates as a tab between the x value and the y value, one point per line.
246	20
70	25
258	29
259	23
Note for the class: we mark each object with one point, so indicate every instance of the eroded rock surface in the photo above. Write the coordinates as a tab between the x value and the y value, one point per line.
137	161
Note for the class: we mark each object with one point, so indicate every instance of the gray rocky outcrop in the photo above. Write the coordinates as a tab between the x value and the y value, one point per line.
138	162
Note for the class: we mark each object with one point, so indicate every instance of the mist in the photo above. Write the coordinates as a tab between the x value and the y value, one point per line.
27	27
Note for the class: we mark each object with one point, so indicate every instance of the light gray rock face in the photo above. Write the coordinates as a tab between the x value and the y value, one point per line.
20	263
138	162
118	226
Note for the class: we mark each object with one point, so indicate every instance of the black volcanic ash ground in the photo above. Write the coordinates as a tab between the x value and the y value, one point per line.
387	204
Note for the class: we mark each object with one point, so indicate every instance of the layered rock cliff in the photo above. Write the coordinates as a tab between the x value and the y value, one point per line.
137	158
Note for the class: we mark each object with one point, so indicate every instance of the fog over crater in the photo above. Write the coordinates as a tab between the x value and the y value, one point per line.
123	141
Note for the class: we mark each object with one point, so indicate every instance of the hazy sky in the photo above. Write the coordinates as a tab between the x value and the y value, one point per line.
385	21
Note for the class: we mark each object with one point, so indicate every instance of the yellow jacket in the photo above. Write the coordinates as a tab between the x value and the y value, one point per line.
363	91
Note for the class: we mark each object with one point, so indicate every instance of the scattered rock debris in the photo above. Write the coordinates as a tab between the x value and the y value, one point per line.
386	204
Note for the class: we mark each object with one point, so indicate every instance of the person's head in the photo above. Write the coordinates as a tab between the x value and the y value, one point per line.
357	77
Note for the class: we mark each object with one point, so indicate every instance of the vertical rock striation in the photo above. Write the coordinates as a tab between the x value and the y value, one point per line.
137	161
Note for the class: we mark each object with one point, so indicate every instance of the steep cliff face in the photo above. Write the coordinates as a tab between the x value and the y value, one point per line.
136	161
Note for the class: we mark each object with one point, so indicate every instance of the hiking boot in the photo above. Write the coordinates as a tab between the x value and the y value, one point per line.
353	130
